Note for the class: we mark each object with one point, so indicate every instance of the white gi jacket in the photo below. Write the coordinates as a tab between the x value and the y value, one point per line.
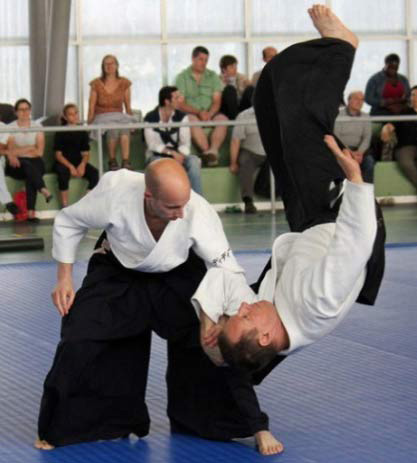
116	205
315	277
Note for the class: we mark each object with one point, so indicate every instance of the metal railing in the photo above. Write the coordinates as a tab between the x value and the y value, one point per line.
102	128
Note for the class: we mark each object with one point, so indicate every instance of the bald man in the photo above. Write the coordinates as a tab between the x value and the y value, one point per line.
159	239
267	54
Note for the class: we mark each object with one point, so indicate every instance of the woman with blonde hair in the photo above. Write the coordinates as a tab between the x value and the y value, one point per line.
109	96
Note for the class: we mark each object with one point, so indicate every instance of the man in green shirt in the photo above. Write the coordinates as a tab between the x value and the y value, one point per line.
202	89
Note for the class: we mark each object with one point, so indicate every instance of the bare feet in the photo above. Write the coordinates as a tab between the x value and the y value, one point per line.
43	445
267	444
329	25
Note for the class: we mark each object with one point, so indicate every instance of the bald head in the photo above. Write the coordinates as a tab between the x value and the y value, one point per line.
355	101
268	53
167	188
166	177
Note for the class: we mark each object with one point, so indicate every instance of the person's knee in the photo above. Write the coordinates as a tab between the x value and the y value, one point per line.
220	117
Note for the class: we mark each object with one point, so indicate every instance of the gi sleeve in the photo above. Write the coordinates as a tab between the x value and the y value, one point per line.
209	240
221	293
327	283
72	223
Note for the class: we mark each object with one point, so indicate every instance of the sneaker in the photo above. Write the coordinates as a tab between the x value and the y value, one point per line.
126	164
250	208
113	164
12	208
33	220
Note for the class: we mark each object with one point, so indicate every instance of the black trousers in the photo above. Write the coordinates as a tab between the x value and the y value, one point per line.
96	386
31	170
231	106
64	175
296	103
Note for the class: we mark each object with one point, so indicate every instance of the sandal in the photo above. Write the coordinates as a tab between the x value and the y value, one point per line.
113	164
126	164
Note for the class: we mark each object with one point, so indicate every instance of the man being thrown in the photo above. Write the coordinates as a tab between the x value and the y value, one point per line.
160	239
336	256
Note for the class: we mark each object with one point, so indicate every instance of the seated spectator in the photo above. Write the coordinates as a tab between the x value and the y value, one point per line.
237	91
246	155
267	54
5	196
72	152
173	142
109	93
357	135
406	135
387	90
202	89
24	159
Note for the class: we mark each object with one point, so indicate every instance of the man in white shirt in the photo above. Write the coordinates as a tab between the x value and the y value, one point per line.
160	239
357	133
336	254
172	142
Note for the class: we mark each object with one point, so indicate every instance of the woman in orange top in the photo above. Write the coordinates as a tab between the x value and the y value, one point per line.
109	94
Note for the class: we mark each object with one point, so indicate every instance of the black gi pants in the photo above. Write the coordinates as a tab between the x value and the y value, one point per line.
297	100
96	386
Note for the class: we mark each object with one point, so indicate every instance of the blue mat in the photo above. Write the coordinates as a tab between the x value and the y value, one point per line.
352	397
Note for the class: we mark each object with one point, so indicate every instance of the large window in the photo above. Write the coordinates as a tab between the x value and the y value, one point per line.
153	39
14	50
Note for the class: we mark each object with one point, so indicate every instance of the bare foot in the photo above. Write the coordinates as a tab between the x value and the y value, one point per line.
267	444
43	445
329	25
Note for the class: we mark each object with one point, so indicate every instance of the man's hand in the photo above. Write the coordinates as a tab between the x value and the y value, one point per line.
347	162
178	157
387	132
209	332
209	337
234	168
81	170
63	293
358	155
63	296
204	115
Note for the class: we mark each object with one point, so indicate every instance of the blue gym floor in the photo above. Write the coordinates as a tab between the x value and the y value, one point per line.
352	397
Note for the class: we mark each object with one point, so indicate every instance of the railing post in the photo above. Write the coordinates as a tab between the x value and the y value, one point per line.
273	198
100	152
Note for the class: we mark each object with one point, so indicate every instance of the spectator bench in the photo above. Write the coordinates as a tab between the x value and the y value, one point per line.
219	185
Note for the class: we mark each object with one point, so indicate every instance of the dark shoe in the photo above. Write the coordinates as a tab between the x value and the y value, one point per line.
12	208
113	164
126	164
250	208
33	220
48	198
209	159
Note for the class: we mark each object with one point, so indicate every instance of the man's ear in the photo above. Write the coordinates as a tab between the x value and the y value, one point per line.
148	194
265	339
